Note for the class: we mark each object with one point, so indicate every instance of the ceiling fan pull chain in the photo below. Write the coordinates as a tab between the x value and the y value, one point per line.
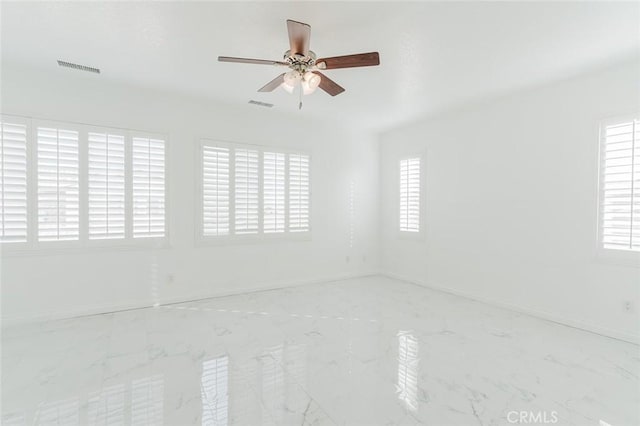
300	104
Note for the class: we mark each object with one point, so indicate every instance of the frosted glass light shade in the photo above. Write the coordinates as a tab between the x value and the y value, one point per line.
310	82
291	80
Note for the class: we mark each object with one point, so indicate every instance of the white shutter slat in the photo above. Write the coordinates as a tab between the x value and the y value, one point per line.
148	171
246	191
410	195
620	198
298	193
273	192
106	170
13	182
215	191
58	184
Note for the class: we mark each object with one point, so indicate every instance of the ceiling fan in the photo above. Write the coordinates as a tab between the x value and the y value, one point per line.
305	66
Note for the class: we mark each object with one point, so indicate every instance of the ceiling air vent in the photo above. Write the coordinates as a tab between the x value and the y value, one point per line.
78	67
262	104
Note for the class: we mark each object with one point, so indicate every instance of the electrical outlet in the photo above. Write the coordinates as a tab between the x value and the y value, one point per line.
628	306
347	259
170	279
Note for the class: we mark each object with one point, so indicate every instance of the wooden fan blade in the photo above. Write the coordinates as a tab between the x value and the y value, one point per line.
299	36
328	85
250	61
273	84
349	61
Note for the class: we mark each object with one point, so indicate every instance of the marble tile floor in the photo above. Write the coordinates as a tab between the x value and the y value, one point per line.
370	351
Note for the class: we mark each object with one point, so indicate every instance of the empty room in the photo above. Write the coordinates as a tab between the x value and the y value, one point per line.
320	213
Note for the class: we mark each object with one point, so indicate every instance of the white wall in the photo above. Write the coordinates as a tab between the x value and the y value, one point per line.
61	284
511	202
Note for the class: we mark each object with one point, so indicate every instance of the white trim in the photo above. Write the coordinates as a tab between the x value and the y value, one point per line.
11	119
548	316
407	235
623	257
105	309
57	125
83	243
260	235
167	158
274	285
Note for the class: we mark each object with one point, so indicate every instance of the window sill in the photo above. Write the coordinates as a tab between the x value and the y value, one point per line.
253	239
55	248
410	236
619	257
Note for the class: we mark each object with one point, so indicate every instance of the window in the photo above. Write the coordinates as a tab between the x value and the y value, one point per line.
106	186
298	193
13	182
620	186
274	192
58	184
410	195
87	184
248	191
215	191
148	178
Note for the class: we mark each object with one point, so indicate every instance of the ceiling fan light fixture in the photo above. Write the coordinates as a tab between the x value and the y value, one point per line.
305	66
288	88
309	83
291	80
312	80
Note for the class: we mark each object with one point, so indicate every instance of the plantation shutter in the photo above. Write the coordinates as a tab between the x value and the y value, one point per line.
410	195
106	186
215	191
58	186
273	192
246	191
13	182
620	186
298	193
148	187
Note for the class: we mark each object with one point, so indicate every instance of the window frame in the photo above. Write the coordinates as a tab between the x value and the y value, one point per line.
155	241
38	248
127	178
33	198
214	240
621	257
408	235
30	157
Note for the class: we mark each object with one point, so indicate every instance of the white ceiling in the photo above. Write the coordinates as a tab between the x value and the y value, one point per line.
434	56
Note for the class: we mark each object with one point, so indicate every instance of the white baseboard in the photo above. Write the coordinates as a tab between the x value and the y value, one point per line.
105	309
582	325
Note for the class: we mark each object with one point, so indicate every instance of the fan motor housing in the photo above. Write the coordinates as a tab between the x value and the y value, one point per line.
300	62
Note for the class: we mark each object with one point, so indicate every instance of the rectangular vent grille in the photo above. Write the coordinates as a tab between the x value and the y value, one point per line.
78	67
262	104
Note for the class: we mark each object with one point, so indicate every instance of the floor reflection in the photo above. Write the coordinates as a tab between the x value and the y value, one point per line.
215	392
65	412
407	387
272	389
107	406
147	401
282	369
